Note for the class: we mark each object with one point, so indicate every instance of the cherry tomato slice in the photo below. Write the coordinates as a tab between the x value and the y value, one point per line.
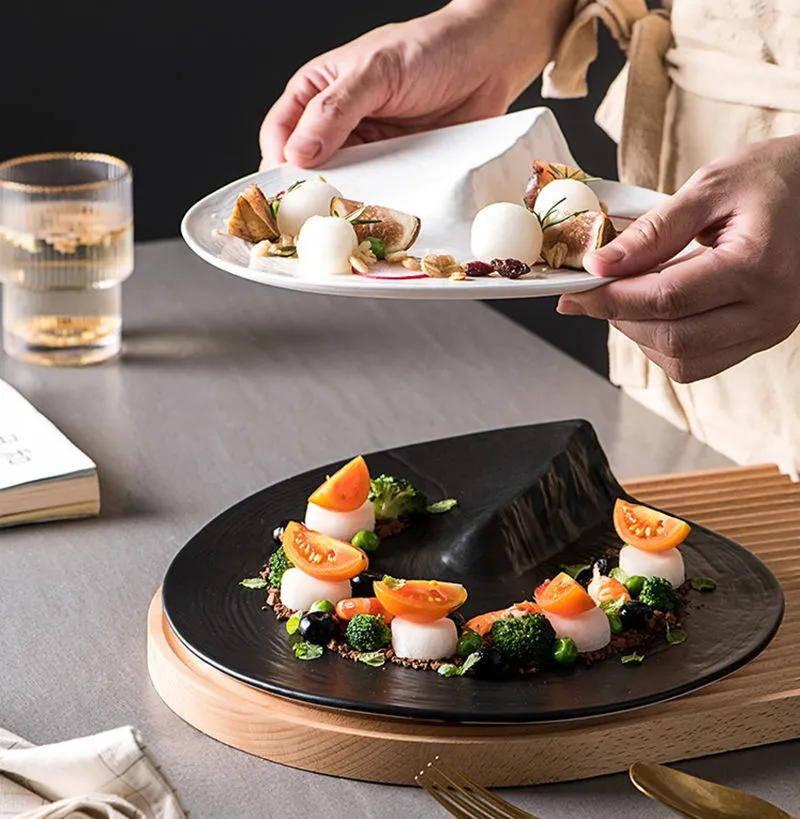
421	601
349	608
345	490
483	623
648	529
321	556
564	596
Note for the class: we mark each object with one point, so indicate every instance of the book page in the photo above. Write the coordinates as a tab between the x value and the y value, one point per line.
32	449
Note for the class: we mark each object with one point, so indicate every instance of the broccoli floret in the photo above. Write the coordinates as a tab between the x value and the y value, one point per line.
367	632
394	498
524	641
658	593
278	564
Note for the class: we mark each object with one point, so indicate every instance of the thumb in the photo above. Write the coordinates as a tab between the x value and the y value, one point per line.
330	117
653	238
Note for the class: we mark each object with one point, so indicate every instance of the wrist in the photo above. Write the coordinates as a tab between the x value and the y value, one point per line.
520	34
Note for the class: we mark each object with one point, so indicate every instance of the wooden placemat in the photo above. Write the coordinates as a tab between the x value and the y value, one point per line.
757	705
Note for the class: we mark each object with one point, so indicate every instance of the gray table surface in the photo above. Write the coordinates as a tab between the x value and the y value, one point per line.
225	387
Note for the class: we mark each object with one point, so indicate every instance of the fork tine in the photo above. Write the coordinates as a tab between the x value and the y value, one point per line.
459	779
442	797
472	795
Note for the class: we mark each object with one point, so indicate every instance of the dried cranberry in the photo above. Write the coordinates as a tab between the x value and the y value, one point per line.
510	268
476	269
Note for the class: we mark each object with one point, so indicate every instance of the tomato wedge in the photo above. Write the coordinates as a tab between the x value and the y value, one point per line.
648	529
321	556
421	601
564	596
349	608
345	490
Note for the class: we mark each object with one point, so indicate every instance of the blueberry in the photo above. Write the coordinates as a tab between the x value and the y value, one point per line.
458	618
490	664
635	615
602	564
318	627
277	532
362	584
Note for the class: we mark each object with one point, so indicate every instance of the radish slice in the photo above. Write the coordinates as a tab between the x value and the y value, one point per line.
392	273
590	630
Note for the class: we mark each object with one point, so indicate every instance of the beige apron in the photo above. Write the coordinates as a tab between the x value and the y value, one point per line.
703	77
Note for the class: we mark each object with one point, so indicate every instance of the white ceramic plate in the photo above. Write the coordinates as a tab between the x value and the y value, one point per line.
444	177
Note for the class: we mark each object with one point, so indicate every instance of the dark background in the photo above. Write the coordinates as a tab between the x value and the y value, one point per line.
179	88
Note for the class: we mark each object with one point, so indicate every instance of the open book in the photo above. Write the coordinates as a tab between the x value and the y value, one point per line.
43	475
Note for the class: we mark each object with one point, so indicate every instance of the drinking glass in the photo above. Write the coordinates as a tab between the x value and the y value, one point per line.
66	246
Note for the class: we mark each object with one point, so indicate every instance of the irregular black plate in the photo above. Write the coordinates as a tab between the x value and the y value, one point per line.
532	498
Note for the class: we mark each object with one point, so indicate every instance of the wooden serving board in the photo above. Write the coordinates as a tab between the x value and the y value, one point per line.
757	705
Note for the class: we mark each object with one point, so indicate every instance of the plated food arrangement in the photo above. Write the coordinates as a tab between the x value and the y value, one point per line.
558	220
320	582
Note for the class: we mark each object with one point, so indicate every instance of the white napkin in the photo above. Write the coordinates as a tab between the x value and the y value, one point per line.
105	776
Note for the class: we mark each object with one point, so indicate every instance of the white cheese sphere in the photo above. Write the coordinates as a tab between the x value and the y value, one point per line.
341	525
312	198
506	231
299	590
424	641
590	630
325	245
563	197
668	564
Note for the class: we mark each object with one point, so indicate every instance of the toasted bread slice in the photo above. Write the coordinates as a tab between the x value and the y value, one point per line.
398	230
544	173
252	218
567	243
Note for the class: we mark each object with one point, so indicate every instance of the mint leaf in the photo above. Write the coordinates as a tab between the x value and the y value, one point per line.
442	506
473	658
293	623
618	574
254	583
448	670
373	658
632	658
307	651
675	636
703	584
575	570
393	583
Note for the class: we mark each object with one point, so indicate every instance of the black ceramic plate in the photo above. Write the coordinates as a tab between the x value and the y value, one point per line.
532	498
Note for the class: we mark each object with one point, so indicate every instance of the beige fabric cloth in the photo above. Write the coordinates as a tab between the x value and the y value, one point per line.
105	776
699	82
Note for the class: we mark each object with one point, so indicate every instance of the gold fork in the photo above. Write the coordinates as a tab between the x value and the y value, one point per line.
462	797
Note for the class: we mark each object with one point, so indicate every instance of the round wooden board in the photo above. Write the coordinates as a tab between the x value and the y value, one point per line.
338	743
757	705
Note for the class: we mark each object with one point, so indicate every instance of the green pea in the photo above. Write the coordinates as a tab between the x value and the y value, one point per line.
615	623
366	540
634	585
565	652
469	642
322	605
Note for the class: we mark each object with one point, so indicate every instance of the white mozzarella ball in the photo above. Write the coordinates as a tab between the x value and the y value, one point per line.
668	565
325	245
424	641
563	197
312	198
590	630
299	590
341	525
506	231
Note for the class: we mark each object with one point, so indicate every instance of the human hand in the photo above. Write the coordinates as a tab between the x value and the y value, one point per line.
467	61
702	315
